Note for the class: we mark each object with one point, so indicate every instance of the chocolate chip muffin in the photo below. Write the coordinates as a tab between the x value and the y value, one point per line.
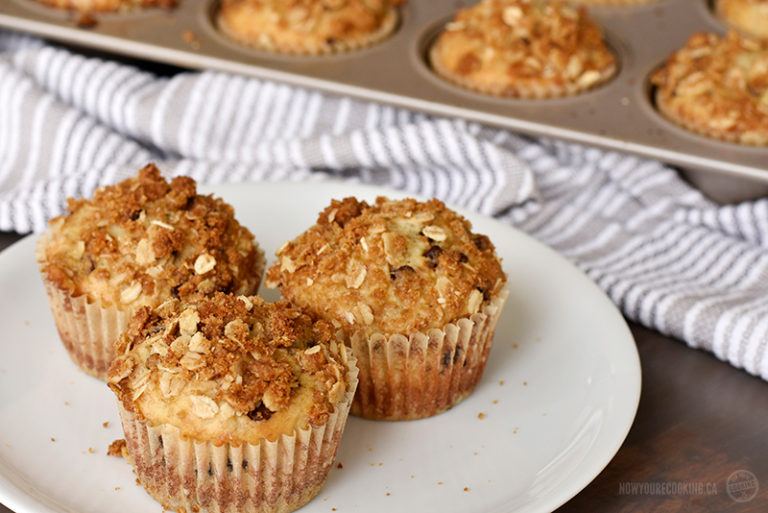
413	291
308	27
230	403
523	48
718	87
137	244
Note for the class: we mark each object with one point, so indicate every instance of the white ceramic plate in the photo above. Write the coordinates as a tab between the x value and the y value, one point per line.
558	396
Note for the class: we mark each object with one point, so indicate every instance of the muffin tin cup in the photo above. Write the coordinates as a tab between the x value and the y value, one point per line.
619	115
268	477
423	374
87	330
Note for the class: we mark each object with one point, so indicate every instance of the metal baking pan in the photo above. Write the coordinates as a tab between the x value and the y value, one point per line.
618	115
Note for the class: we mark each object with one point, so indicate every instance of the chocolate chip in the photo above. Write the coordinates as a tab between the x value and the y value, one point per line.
397	273
482	242
260	413
432	255
134	215
446	361
244	464
457	354
463	258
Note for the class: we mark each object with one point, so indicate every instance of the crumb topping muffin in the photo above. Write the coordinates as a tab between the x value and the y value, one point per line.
523	48
391	267
310	27
717	86
230	403
229	369
410	289
107	5
144	240
137	244
749	16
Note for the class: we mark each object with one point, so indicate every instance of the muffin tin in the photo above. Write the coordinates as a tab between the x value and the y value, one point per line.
618	115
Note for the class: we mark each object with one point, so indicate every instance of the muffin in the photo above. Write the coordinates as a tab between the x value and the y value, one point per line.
749	16
308	27
412	291
231	404
523	48
107	5
137	244
718	87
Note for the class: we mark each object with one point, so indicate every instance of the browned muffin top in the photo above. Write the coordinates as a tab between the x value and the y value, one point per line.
308	26
144	240
392	267
229	369
524	48
718	86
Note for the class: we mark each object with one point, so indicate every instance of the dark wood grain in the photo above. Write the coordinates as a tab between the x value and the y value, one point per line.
699	421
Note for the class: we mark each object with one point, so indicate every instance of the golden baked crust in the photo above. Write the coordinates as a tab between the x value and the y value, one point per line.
228	369
750	16
392	267
107	5
144	240
523	48
717	86
309	27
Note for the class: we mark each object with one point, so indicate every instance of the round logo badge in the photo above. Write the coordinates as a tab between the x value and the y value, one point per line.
742	486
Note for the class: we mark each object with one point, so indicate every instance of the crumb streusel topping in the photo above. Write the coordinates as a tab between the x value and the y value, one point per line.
144	240
306	26
718	86
229	369
392	267
514	47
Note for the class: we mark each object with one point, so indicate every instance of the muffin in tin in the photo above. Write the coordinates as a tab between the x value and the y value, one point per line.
523	48
308	27
412	290
137	244
107	5
230	403
718	87
749	16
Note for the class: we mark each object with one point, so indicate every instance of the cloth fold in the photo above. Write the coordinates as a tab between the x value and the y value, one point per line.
668	257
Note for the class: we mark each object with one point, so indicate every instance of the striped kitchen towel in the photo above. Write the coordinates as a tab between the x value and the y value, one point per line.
670	259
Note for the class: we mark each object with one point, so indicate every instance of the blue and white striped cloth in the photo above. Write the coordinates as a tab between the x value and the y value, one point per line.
670	259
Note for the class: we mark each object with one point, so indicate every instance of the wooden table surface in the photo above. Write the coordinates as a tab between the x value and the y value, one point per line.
700	421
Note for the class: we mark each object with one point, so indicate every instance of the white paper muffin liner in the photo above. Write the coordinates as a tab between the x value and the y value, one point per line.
410	377
278	476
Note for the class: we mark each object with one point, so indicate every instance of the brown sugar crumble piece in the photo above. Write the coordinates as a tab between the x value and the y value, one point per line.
117	448
501	383
86	20
466	489
191	38
481	415
339	465
105	424
53	439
